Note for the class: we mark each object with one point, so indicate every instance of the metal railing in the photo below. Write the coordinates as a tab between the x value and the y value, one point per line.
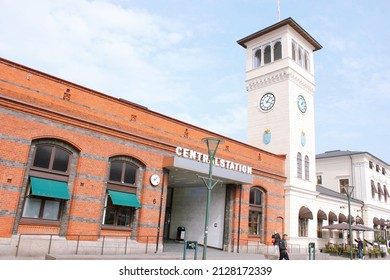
42	244
255	247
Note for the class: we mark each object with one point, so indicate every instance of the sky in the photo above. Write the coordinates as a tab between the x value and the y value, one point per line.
181	58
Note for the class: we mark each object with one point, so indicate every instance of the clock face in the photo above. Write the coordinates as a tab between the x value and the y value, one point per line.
302	104
155	179
267	102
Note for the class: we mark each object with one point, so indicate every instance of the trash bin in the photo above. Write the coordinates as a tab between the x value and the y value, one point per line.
312	251
181	232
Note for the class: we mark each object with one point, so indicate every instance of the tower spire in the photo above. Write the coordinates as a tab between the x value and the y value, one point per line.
278	10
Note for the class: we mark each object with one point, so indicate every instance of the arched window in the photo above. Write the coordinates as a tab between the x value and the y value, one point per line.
332	217
307	61
299	165
51	158
380	192
294	51
277	50
307	168
257	58
121	197
304	215
267	54
300	56
47	185
321	216
122	172
256	207
373	189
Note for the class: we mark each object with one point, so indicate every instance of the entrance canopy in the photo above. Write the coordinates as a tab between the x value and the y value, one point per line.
185	172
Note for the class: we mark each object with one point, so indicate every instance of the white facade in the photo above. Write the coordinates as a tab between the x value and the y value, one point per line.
279	72
368	174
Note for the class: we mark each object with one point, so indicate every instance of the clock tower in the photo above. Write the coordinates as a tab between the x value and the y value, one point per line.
280	84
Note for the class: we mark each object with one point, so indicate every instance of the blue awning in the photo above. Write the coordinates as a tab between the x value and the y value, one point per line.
124	199
49	188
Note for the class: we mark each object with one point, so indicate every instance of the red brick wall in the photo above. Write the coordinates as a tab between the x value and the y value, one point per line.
26	94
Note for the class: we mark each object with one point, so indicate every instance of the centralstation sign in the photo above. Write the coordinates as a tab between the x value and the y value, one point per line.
223	163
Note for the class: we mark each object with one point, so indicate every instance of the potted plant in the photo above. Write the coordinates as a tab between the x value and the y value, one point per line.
370	253
376	252
331	250
364	252
347	253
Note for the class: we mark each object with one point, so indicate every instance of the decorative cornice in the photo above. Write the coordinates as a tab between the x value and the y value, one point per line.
280	76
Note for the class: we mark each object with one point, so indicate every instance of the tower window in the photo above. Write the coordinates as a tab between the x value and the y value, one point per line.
294	50
277	50
299	165
307	171
257	58
300	55
267	54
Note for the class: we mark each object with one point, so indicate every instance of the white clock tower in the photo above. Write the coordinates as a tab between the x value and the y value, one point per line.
280	84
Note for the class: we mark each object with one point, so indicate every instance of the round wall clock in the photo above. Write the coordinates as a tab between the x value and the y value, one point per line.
302	104
267	102
155	179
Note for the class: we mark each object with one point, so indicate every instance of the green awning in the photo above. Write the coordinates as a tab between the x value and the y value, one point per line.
124	199
49	188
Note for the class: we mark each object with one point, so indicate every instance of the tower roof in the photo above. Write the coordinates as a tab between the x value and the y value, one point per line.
287	21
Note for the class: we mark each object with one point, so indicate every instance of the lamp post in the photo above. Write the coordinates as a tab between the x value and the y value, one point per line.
212	146
348	191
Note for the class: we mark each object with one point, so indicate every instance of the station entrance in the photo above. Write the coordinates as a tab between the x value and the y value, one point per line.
186	201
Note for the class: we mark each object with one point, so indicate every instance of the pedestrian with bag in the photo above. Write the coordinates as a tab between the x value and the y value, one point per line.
283	255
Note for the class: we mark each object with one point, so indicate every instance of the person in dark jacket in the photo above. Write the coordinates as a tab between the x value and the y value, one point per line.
283	248
276	240
360	247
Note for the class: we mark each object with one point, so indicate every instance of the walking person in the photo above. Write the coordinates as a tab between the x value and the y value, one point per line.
276	240
283	248
360	247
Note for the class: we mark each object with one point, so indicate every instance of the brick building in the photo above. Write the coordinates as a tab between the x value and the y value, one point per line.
79	164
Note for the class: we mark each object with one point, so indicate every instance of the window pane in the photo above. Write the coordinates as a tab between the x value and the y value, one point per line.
294	51
258	198
258	58
51	210
61	159
252	197
129	174
32	207
277	51
267	54
116	171
42	156
299	165
109	219
307	171
124	217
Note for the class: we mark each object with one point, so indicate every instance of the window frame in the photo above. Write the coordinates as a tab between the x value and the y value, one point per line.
307	168
256	211
299	165
50	169
123	173
117	208
50	174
